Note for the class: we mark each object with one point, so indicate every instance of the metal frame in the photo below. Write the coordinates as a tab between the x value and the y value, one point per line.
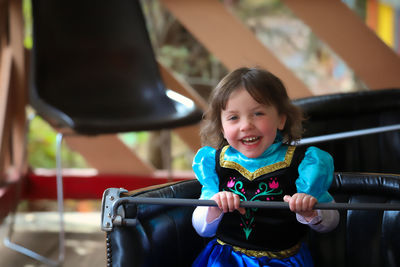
348	134
60	203
113	214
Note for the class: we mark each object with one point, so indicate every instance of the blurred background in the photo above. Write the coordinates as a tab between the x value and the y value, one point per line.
272	22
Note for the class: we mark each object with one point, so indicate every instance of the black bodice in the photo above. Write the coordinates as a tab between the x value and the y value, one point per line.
261	229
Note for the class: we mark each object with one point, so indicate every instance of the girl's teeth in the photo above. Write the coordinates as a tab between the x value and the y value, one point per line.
250	139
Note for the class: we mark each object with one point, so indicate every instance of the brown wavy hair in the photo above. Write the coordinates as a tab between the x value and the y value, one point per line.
266	89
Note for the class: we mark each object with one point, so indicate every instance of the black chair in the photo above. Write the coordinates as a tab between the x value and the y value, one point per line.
154	235
363	129
94	72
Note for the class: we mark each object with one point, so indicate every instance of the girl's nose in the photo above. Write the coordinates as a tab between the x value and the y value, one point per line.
246	125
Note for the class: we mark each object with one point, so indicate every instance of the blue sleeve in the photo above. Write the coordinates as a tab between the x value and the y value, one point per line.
204	169
316	174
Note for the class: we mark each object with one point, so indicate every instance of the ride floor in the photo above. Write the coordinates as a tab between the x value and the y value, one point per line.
84	241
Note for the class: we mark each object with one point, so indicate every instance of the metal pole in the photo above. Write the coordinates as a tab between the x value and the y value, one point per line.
60	198
349	134
252	204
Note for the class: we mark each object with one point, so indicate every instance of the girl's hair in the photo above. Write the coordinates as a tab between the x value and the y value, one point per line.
266	89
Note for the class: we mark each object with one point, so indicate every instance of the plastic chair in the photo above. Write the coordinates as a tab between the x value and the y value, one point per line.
94	72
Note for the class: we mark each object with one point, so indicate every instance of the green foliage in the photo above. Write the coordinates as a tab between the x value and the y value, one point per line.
42	148
257	8
27	11
134	138
175	57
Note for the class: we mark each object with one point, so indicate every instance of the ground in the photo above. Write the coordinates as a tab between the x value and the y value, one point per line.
84	241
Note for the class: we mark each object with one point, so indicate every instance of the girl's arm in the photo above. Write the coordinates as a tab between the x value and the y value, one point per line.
318	220
205	220
325	221
315	177
204	169
200	224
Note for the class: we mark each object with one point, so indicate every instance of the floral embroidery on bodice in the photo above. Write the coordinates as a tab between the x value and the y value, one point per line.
265	192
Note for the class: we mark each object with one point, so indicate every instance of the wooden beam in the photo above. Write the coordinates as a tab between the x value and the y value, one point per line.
370	58
18	85
3	24
231	41
5	128
108	155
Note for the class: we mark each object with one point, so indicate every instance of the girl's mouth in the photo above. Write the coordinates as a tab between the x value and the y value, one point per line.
250	140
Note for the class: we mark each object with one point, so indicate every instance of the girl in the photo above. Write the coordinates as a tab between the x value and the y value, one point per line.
249	127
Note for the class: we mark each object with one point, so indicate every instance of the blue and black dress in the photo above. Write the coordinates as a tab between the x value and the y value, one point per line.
261	237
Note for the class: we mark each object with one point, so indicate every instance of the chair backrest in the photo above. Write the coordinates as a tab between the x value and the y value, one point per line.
363	237
94	69
344	112
164	236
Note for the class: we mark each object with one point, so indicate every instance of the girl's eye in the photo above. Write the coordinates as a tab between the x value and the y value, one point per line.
232	118
258	113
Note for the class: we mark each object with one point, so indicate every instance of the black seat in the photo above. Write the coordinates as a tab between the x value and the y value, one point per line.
344	112
164	236
94	70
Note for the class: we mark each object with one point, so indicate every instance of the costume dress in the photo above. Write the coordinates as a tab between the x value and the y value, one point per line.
241	240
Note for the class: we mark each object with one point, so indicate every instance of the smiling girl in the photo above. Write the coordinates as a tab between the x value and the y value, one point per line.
248	131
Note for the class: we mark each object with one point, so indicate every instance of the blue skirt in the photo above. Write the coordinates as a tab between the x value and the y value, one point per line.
215	254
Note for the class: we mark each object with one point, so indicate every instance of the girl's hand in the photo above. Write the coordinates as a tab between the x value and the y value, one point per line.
228	202
302	204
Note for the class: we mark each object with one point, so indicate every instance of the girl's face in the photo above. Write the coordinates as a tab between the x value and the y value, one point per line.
248	126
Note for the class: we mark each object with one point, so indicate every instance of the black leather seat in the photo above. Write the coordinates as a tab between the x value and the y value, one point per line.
164	236
343	112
